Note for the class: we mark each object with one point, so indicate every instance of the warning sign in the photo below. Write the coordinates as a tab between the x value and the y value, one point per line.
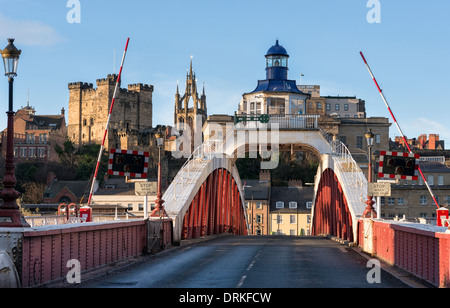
379	189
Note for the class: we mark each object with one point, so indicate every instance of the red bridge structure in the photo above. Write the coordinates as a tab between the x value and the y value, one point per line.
206	198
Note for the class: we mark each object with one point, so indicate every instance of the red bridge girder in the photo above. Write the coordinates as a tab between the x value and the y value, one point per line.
216	208
331	213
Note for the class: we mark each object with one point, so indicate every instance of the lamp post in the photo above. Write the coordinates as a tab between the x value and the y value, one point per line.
159	209
369	210
10	215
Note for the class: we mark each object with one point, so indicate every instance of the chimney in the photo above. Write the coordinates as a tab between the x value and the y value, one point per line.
432	140
295	183
264	176
422	141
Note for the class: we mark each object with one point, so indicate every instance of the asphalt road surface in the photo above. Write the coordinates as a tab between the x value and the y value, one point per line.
252	262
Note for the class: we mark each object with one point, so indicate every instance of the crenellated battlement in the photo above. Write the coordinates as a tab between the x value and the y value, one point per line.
138	87
80	85
109	80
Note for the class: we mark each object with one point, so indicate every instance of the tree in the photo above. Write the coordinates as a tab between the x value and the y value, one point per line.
66	153
33	192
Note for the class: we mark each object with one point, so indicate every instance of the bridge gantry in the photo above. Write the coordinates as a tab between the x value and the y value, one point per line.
206	195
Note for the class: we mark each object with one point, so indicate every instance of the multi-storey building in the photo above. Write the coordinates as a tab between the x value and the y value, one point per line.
34	135
290	209
257	203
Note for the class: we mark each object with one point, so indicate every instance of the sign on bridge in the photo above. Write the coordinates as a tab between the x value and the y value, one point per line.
379	189
145	188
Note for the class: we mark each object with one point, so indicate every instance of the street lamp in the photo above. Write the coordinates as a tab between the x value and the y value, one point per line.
369	211
369	137
10	215
159	209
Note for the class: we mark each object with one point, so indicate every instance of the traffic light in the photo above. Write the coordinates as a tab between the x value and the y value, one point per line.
128	163
396	165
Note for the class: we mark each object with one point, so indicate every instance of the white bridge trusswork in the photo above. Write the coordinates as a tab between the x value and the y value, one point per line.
265	139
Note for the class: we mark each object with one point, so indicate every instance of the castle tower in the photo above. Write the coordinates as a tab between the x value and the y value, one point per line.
89	110
190	109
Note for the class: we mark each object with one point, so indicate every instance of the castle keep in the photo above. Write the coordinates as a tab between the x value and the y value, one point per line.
89	109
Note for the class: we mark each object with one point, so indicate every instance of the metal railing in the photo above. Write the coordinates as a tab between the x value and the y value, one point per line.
39	221
285	121
352	175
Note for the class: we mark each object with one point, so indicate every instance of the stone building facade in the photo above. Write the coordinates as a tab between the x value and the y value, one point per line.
89	109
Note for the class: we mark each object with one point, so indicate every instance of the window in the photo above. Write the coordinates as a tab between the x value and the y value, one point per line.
141	207
258	218
328	106
259	205
291	232
280	205
30	138
309	205
23	152
391	201
343	139
279	219
31	152
292	205
359	142
447	200
319	105
440	180
346	107
420	180
279	105
42	138
377	138
400	201
423	200
292	219
430	180
337	107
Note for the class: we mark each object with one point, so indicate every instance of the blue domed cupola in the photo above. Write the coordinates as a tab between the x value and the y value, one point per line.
277	72
277	62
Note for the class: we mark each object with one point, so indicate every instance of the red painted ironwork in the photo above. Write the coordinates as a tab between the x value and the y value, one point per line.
215	209
331	212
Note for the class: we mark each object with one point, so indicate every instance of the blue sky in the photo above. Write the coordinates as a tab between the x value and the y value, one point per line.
407	51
